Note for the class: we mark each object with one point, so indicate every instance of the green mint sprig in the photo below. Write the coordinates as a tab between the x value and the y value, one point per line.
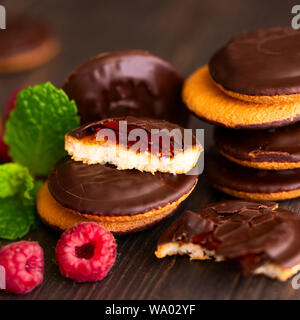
35	135
36	128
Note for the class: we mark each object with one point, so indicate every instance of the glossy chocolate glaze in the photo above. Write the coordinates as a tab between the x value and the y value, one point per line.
126	83
252	233
262	62
22	34
104	190
162	138
225	173
279	145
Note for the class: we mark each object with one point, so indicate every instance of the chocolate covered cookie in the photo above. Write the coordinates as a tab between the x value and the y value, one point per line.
261	66
258	236
123	201
205	99
26	43
126	83
250	183
273	149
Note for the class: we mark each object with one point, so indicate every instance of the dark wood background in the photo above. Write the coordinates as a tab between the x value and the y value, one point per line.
186	33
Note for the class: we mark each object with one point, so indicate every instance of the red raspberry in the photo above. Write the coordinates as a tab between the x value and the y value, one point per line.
86	252
4	156
23	262
9	106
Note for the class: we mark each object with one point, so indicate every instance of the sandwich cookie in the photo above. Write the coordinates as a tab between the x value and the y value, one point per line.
260	67
133	82
203	97
26	43
123	201
273	149
258	236
135	143
250	183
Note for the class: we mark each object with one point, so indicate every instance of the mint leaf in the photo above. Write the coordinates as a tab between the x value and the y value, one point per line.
14	179
16	218
17	201
36	127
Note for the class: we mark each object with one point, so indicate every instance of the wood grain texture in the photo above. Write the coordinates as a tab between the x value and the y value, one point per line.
185	32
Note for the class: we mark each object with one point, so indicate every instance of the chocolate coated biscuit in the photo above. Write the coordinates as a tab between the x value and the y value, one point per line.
26	43
273	149
208	102
250	183
122	200
261	66
126	83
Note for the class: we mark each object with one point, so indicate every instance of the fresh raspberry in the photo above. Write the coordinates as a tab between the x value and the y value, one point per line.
9	106
23	262
4	156
86	252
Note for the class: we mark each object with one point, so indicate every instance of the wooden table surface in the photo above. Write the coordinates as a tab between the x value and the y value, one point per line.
186	33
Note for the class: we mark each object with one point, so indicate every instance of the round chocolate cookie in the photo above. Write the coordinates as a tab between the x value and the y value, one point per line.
249	183
125	83
211	104
273	149
123	201
261	66
26	43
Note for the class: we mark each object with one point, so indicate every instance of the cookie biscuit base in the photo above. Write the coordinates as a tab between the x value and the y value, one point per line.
90	151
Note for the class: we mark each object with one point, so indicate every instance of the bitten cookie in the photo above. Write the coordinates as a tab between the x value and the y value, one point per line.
123	201
260	237
26	43
273	149
127	83
203	97
261	66
135	143
250	183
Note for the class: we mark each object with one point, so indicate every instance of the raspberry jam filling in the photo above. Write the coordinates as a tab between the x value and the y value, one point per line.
159	143
248	262
206	241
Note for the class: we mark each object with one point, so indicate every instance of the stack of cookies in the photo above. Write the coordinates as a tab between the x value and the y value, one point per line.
109	182
251	91
126	173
